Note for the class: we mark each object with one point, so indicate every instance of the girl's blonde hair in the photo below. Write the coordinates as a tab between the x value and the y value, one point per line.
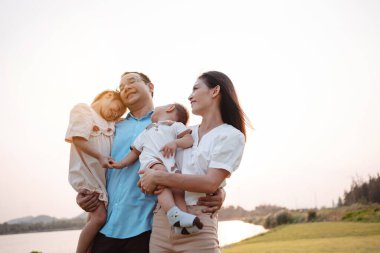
115	96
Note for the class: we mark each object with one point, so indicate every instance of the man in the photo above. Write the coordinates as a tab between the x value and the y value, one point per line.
130	212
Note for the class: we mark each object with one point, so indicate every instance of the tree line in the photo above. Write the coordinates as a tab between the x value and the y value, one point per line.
69	224
363	192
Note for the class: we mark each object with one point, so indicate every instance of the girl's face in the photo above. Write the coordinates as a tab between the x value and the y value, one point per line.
111	109
201	98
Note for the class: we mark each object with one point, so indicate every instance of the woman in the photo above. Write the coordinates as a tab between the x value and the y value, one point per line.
217	151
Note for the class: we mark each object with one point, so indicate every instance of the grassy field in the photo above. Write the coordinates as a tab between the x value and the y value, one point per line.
320	237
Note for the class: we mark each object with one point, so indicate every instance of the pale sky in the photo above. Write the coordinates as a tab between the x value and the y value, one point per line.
306	72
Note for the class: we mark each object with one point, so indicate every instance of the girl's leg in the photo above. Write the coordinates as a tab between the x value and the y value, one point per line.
95	221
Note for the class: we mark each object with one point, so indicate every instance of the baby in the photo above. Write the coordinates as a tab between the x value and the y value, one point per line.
156	147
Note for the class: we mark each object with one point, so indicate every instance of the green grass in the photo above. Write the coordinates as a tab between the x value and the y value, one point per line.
323	237
366	215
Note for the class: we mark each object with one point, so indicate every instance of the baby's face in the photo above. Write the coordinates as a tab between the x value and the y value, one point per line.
113	110
159	111
163	113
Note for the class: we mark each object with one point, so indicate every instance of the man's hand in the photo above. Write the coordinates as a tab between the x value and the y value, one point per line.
212	202
169	149
88	201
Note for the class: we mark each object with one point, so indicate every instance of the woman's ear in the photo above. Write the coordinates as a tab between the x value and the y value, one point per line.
216	91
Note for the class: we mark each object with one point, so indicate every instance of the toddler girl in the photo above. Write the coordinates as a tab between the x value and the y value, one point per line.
90	133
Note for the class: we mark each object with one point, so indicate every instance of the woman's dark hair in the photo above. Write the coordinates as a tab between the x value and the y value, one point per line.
230	109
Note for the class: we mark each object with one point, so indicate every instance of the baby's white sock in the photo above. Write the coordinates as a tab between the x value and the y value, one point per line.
179	218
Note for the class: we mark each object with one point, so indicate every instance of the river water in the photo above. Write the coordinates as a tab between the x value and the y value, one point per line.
65	241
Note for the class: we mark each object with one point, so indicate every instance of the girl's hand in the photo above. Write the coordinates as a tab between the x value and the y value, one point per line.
169	149
105	162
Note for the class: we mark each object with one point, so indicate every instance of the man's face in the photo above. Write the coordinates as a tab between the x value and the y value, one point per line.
134	90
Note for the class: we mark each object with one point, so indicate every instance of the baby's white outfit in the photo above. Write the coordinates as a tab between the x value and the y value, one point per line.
154	138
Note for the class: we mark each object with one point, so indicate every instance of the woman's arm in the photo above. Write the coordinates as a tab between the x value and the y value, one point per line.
208	183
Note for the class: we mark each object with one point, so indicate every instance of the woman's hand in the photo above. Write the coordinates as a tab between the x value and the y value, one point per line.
147	182
88	201
213	202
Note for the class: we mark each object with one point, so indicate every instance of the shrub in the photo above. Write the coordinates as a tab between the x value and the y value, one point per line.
311	215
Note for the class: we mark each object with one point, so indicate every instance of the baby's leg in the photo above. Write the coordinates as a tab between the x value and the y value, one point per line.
177	217
179	198
95	221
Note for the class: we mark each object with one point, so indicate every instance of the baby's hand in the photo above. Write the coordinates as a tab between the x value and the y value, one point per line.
105	162
116	165
169	149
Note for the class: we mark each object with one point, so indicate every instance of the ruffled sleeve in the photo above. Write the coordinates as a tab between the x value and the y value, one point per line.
80	124
227	151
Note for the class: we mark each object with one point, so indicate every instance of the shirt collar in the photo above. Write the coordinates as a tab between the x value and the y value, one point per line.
130	115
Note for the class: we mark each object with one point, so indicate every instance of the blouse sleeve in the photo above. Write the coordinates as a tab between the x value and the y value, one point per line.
228	151
80	124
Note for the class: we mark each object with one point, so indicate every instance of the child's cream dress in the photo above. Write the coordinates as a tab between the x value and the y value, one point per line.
85	171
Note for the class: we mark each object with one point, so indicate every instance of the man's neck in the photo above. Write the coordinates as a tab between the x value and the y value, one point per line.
140	112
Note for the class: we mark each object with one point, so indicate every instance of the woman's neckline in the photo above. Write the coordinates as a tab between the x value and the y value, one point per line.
199	138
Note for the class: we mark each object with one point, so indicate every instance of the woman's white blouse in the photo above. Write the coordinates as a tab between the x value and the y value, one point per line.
220	148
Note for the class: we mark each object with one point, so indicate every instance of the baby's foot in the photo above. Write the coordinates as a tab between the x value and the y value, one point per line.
187	230
178	218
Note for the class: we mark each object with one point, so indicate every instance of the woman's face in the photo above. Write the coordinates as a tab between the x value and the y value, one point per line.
201	98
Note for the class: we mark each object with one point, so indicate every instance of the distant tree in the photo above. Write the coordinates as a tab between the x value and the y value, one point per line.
363	192
340	202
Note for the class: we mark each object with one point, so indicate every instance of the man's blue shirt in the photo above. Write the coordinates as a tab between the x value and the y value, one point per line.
130	212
